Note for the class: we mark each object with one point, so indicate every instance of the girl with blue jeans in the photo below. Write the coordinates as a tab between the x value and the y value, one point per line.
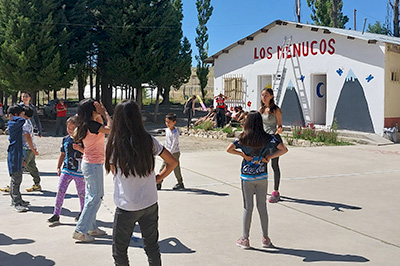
91	132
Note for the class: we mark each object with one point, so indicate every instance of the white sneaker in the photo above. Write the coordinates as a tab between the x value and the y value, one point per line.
20	208
82	237
97	232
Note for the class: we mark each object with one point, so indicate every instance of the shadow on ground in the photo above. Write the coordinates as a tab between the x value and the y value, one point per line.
314	255
334	205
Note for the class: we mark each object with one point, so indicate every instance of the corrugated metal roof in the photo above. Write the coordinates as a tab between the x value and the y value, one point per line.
351	34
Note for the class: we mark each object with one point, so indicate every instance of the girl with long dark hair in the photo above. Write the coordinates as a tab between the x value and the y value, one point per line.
253	145
272	121
91	132
130	155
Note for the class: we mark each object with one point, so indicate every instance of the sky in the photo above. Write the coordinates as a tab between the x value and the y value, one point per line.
233	20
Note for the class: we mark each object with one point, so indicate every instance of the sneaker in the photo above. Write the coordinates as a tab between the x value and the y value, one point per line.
82	237
22	203
5	189
77	217
178	186
159	186
97	232
20	208
35	187
55	219
266	242
275	197
243	242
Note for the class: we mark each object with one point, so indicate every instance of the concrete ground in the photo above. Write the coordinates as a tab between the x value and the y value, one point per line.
339	207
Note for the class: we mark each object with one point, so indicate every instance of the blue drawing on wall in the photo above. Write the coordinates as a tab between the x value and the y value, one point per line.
352	110
339	71
369	78
319	85
291	107
302	78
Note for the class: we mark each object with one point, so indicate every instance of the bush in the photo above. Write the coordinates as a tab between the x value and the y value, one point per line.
206	125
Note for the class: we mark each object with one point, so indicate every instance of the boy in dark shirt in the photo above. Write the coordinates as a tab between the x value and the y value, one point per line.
15	156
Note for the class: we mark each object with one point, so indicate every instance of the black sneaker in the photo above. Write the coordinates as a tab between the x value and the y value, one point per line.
77	217
178	186
159	186
25	203
55	219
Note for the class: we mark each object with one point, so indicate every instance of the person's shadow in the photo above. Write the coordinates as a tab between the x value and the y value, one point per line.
168	245
199	191
313	255
336	206
22	258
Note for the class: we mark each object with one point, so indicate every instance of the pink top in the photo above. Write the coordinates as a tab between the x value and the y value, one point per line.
94	151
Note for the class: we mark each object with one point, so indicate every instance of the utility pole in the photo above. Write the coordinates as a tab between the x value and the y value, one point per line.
334	13
354	18
297	4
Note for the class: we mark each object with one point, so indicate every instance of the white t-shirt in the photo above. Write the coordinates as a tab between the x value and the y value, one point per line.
172	140
134	193
27	128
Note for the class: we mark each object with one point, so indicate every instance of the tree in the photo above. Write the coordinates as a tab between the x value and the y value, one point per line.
204	10
31	46
328	13
378	28
395	7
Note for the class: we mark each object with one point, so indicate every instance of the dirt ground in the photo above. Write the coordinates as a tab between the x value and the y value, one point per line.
49	145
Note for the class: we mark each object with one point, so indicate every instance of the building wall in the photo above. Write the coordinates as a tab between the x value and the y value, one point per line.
345	63
392	86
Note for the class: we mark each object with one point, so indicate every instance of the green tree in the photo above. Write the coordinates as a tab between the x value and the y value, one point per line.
378	28
328	13
31	46
204	10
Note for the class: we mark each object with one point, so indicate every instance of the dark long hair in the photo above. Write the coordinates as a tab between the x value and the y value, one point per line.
272	106
85	112
253	134
129	146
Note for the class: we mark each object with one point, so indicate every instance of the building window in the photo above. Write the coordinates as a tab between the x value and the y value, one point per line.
395	76
233	87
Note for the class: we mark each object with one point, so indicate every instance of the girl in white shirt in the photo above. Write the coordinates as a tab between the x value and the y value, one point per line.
130	155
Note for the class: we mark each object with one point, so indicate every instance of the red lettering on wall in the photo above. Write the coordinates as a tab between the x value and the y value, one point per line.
296	50
279	51
288	52
322	46
331	42
269	56
305	53
262	53
312	47
255	53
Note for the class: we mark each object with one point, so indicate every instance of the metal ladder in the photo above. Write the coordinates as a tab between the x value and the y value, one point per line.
279	78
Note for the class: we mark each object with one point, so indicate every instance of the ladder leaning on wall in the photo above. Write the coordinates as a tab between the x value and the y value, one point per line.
280	75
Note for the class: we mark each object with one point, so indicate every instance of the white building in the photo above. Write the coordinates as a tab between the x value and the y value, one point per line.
317	73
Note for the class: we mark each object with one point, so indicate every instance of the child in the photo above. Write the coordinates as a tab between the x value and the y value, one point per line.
30	150
130	158
254	144
172	145
61	118
91	132
15	156
71	155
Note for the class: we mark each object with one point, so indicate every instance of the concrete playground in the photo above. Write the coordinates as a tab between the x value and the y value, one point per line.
340	206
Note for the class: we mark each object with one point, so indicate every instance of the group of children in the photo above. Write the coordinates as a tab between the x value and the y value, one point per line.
129	157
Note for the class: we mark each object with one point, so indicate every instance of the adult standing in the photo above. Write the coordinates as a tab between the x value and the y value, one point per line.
61	119
272	121
25	100
189	109
221	106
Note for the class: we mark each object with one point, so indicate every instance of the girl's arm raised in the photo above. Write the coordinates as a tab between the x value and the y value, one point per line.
232	149
171	163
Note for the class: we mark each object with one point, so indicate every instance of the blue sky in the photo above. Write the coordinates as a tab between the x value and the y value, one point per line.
235	19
